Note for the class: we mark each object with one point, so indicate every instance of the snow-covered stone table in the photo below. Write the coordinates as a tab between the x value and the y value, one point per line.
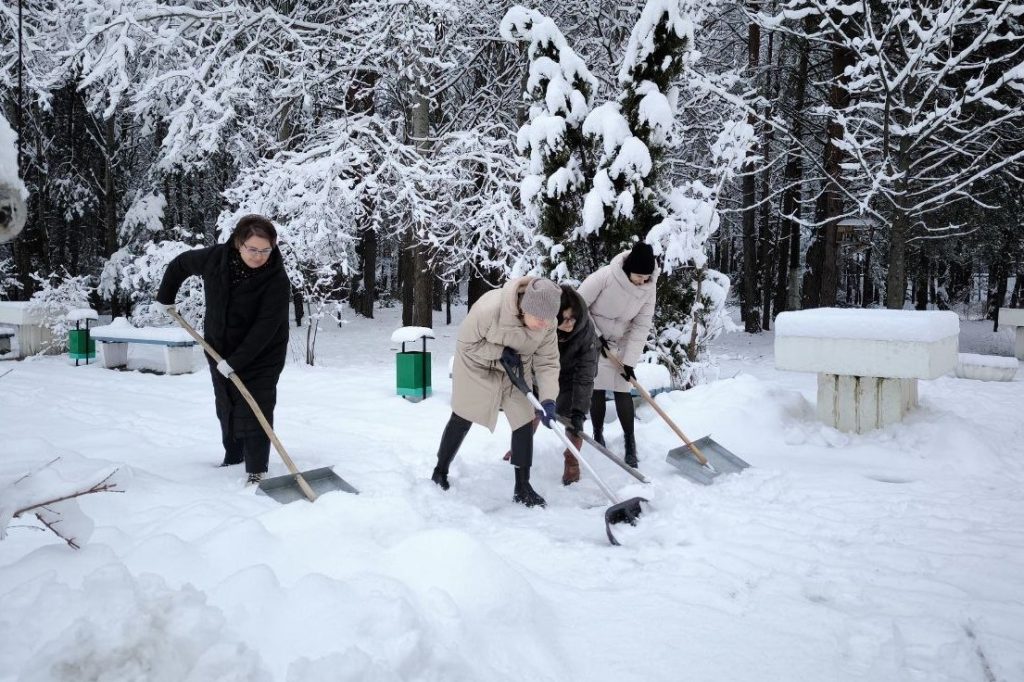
1014	317
32	335
868	362
115	337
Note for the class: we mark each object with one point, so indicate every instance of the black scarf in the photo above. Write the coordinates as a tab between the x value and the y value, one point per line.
239	270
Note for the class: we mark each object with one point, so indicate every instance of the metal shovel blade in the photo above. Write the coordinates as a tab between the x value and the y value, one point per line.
721	460
286	489
627	511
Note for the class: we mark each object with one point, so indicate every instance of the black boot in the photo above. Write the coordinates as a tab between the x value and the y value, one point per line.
440	477
524	494
599	433
630	440
454	433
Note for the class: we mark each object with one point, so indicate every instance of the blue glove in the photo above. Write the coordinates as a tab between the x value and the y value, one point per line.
547	416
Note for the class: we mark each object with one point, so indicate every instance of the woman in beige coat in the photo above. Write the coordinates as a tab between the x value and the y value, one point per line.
621	298
518	318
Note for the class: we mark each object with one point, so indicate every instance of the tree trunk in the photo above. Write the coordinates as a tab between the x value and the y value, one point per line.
831	199
297	304
921	285
896	276
788	292
997	285
406	277
109	196
478	286
868	296
363	289
770	238
750	299
423	314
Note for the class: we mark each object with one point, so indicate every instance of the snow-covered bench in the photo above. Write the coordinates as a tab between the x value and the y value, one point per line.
868	362
1014	317
115	337
986	367
28	327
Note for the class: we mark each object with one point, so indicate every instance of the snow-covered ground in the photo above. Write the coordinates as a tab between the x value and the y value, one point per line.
896	555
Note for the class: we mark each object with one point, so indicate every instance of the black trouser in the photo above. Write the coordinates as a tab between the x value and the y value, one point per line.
623	408
254	450
243	438
457	428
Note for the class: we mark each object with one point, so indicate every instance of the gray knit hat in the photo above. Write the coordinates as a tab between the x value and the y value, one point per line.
542	299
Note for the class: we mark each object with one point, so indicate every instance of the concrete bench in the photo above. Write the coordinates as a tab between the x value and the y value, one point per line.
986	367
115	338
1014	317
33	336
5	342
868	362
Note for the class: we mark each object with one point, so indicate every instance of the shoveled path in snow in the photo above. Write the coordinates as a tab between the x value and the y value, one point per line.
896	555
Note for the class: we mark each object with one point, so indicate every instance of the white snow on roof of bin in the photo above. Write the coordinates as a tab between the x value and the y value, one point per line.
874	324
408	334
82	314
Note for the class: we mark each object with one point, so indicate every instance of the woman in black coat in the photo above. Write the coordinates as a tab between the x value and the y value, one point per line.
247	297
578	351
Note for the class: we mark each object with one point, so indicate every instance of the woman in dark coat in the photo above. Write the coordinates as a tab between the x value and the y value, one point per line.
578	352
247	297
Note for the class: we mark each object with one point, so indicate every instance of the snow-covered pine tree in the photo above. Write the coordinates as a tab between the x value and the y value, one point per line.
632	196
560	91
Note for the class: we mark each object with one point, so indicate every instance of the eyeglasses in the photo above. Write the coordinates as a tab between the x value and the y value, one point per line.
568	320
257	252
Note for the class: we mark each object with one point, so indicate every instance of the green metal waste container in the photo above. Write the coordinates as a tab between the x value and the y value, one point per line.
81	346
412	367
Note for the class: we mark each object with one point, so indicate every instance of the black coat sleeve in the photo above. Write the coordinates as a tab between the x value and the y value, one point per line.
584	373
273	313
181	268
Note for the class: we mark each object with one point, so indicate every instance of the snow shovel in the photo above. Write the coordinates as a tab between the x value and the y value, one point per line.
293	486
607	453
627	511
712	460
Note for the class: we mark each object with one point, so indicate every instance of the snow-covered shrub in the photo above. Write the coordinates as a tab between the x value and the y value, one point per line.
58	294
137	273
8	282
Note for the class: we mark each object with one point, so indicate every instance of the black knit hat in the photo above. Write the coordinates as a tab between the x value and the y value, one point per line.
640	260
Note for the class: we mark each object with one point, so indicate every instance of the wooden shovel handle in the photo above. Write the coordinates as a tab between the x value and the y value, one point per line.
303	484
657	408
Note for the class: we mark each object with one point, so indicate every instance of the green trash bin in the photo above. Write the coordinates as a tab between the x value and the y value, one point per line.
412	370
81	346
